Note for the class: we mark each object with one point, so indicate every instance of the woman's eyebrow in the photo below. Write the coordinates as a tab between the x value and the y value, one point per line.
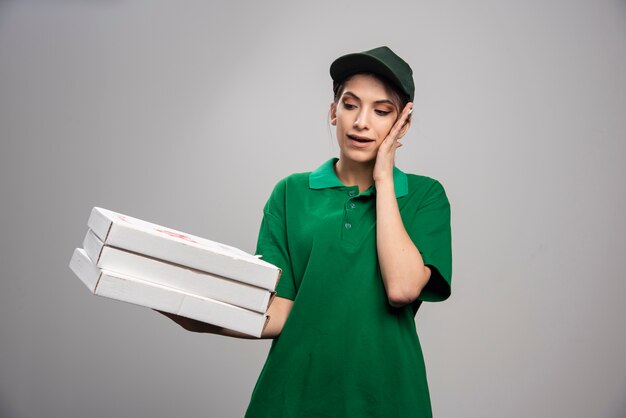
349	93
384	101
381	101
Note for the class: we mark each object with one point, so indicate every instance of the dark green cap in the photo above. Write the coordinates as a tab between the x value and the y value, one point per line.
381	61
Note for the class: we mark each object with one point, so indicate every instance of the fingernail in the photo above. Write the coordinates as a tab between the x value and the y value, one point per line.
411	111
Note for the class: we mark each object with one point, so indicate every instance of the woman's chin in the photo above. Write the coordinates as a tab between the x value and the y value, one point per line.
358	156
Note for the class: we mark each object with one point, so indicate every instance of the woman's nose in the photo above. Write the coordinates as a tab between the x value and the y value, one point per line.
361	121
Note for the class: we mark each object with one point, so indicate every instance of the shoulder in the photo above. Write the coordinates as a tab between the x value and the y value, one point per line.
421	187
286	189
295	179
292	183
418	180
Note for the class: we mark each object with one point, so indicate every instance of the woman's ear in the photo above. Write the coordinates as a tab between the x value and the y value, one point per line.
332	114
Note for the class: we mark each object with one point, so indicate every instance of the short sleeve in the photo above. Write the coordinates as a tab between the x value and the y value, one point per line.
430	230
272	242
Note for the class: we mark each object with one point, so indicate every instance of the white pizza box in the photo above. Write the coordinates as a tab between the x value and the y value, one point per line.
139	292
128	233
174	275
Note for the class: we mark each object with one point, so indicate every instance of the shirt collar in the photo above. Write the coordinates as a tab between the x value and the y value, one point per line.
324	177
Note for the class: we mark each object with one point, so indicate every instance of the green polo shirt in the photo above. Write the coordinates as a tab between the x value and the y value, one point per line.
344	351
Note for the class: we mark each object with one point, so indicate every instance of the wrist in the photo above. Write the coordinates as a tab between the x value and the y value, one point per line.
383	175
385	183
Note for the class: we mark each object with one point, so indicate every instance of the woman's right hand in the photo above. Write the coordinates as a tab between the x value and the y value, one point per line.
278	313
192	325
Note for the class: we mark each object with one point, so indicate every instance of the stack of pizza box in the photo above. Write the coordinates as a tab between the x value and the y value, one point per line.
135	261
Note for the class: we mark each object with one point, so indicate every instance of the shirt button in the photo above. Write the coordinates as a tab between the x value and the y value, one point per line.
352	193
348	225
352	205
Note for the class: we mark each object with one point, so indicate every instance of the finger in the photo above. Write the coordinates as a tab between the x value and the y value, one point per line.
386	145
408	108
402	119
406	112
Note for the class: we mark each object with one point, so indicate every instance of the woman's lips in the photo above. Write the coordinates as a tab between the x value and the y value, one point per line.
359	142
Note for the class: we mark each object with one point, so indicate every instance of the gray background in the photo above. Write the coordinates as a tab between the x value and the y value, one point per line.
186	113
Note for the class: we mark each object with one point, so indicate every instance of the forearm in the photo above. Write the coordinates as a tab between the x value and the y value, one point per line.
401	264
277	316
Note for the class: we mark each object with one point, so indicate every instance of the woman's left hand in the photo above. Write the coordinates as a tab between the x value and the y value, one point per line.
383	168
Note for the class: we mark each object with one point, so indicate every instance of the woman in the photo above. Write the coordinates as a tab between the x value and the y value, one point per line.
361	245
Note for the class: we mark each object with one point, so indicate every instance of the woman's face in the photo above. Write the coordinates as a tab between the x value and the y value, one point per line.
363	115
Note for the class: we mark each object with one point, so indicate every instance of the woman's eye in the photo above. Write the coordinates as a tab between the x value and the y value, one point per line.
382	112
348	106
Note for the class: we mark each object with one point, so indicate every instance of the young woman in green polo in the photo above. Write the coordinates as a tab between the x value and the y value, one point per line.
361	244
